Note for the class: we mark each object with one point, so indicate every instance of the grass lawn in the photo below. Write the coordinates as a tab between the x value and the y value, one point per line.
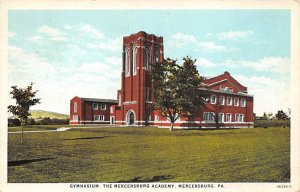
150	155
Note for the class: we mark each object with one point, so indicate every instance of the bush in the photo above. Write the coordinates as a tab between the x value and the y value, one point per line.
49	121
14	122
271	123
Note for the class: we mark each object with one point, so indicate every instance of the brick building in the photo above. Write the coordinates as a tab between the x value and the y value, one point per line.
229	103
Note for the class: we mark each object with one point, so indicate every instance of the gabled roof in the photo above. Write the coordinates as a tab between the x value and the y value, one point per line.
222	78
99	100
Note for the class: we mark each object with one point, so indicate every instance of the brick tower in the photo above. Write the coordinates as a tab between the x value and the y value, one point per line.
139	51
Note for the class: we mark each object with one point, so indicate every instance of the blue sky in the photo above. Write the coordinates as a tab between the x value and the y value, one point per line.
78	53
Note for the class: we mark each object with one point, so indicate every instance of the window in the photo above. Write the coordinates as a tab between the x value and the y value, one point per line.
103	106
95	106
236	101
208	116
222	100
119	98
228	117
206	99
134	60
149	118
127	62
148	94
239	117
221	117
75	107
229	101
213	99
111	109
147	58
156	55
98	117
156	118
75	117
243	102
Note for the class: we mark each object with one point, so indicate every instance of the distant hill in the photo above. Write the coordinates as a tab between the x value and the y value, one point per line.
37	114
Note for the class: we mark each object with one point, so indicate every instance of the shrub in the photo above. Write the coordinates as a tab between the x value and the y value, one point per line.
271	123
14	122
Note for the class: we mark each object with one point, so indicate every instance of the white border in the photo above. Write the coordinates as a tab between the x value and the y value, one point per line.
166	4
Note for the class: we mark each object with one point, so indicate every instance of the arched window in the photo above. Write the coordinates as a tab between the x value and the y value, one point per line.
156	55
134	60
147	58
127	62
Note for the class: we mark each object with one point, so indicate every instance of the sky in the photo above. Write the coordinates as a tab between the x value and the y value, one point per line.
78	53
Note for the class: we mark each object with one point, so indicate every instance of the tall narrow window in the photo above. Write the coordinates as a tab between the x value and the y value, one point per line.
119	98
243	102
148	94
222	100
156	55
236	101
147	58
228	117
213	99
134	57
127	62
75	107
95	106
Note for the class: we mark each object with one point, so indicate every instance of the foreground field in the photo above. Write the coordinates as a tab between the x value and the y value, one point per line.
151	155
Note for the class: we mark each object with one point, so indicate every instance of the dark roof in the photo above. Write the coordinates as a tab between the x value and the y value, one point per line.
100	100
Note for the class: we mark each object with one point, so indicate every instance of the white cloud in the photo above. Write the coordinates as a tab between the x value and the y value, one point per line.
268	64
182	40
107	44
234	35
91	30
53	33
203	62
12	34
58	84
113	60
270	94
25	62
212	46
35	39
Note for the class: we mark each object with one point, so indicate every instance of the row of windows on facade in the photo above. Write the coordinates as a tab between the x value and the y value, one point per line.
210	117
236	101
148	95
147	59
95	106
207	116
95	118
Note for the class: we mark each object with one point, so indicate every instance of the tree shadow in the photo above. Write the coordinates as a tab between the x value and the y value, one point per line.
83	138
26	161
155	178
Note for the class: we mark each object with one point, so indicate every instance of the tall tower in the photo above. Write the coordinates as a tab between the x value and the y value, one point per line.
140	50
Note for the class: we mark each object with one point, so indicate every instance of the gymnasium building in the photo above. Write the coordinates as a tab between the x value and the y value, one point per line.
228	98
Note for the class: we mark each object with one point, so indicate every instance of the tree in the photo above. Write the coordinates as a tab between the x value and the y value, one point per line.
280	115
264	117
176	89
25	98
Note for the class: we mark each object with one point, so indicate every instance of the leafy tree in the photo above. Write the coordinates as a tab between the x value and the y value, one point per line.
25	98
176	89
264	117
280	115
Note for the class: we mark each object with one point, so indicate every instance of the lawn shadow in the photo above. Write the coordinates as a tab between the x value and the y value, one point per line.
156	178
26	161
82	138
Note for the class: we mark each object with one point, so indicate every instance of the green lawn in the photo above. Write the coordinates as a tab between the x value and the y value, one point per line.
151	155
